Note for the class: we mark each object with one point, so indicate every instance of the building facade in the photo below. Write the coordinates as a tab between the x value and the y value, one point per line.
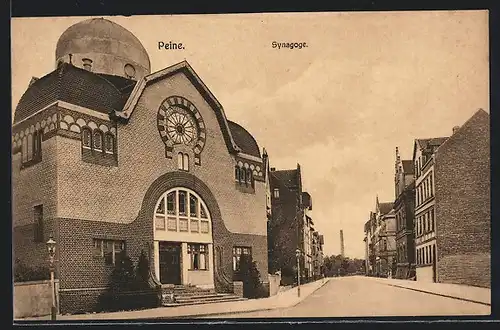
290	225
452	216
404	208
384	239
425	214
108	156
317	248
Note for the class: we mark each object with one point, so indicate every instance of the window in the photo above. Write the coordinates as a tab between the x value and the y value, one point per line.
243	175
430	184
276	193
198	256
24	149
182	202
249	177
238	251
108	249
98	141
183	161
237	173
182	210
432	220
109	143
38	223
37	145
86	138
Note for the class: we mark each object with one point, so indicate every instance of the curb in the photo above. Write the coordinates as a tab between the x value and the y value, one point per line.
301	300
211	314
440	294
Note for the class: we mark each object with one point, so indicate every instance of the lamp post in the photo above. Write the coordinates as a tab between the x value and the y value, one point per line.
298	253
51	247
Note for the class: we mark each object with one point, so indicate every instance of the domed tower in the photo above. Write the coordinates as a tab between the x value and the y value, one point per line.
102	46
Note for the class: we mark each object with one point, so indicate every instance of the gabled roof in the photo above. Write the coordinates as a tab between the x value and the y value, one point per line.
185	68
288	177
477	115
385	208
408	167
76	86
428	143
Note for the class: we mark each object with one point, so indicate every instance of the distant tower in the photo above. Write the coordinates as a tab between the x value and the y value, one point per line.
342	243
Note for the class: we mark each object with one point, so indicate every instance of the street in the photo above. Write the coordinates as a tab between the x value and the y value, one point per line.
361	297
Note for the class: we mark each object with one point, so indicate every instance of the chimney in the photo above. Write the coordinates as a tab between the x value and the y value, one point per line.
455	129
87	64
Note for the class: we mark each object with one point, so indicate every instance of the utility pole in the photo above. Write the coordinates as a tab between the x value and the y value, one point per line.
342	244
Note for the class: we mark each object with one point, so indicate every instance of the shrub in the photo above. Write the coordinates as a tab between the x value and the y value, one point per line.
128	288
249	274
25	273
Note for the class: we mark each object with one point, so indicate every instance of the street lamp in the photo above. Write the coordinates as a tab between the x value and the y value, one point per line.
51	247
298	253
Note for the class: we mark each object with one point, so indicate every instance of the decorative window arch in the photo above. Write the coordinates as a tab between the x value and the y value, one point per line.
182	210
237	173
86	138
109	143
249	177
97	139
30	147
183	161
24	149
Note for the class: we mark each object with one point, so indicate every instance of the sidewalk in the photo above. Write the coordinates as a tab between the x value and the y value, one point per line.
281	300
456	291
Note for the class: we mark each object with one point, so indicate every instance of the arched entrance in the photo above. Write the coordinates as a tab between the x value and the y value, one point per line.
183	245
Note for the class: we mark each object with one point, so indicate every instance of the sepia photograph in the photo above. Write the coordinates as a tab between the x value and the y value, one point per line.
242	166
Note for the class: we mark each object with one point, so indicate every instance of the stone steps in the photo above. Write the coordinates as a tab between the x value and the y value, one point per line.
205	301
192	295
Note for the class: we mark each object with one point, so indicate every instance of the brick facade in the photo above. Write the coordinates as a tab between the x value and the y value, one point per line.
85	200
462	172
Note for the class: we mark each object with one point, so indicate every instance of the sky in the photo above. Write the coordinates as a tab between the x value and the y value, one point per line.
368	82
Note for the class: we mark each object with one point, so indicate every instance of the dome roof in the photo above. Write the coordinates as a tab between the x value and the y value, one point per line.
244	139
102	36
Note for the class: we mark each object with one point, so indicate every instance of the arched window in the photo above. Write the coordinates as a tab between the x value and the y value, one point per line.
183	161
109	143
236	173
86	138
35	145
243	175
24	149
98	141
184	211
30	147
249	177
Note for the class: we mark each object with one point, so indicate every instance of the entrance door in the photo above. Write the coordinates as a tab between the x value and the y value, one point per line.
170	267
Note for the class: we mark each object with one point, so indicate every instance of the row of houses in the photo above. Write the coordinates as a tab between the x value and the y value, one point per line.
294	245
437	228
